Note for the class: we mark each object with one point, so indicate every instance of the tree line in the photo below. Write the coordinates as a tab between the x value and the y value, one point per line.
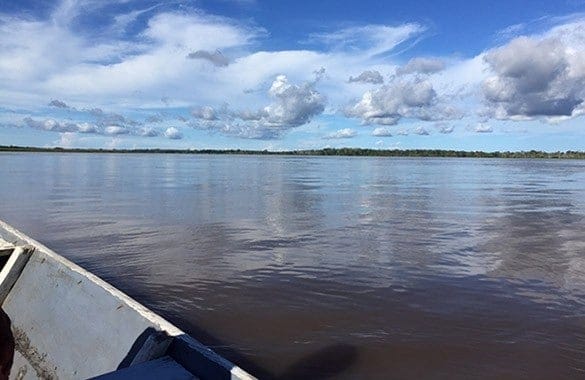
362	152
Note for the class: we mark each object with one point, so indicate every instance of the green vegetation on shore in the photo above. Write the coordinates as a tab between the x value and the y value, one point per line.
322	152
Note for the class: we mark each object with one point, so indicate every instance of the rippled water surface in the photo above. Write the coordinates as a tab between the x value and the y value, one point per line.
330	266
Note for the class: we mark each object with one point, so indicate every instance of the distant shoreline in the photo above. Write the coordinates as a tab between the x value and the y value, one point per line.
356	152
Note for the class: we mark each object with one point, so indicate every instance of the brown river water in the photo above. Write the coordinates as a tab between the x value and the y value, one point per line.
330	267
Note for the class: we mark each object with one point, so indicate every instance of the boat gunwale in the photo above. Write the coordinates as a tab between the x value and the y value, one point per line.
19	238
160	322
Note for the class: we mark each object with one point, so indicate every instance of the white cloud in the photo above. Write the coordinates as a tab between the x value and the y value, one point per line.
44	57
197	31
368	76
112	71
541	76
50	125
483	128
114	143
53	125
421	131
173	133
295	105
86	128
58	104
114	130
263	94
412	98
66	140
345	133
445	129
205	113
369	40
148	132
292	105
382	132
421	65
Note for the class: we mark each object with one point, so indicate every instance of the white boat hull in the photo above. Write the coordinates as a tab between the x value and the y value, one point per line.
70	324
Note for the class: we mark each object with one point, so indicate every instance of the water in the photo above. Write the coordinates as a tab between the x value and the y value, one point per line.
330	266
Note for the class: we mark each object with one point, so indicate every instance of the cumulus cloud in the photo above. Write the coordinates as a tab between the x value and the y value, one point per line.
382	132
104	118
445	129
292	105
536	77
53	125
483	128
205	113
114	130
368	76
169	50
92	120
50	125
107	118
216	58
67	139
421	131
148	132
86	128
345	133
58	104
421	65
295	105
138	65
173	133
413	98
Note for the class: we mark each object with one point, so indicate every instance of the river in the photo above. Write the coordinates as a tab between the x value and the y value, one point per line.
345	267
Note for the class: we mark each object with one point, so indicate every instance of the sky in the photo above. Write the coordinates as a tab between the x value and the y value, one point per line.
283	75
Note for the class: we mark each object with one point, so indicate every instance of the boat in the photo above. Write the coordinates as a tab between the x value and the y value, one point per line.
69	324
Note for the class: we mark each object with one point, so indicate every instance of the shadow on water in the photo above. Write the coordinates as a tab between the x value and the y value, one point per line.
323	364
226	351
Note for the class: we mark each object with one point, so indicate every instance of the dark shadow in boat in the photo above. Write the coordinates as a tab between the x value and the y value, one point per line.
138	343
153	344
151	333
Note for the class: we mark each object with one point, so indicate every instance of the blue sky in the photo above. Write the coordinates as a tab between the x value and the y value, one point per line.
252	74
